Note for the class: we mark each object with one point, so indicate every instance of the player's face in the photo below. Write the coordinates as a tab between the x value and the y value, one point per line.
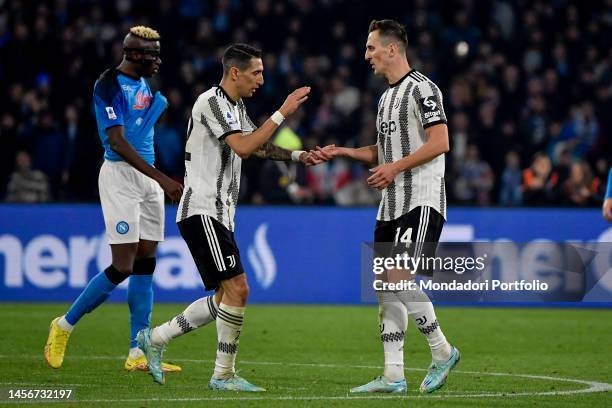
150	57
250	79
376	53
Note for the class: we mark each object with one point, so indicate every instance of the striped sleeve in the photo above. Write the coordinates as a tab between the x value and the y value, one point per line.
218	115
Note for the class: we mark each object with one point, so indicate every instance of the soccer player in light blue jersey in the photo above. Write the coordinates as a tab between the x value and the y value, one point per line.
131	193
607	204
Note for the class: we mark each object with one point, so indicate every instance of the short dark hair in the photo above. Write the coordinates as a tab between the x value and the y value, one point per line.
391	28
239	56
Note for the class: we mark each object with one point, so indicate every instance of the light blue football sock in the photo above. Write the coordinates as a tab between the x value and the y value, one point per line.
95	293
140	297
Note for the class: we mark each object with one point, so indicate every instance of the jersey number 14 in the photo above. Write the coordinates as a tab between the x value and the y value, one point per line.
406	237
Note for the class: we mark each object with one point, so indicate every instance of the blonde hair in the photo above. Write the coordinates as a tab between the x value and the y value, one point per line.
145	33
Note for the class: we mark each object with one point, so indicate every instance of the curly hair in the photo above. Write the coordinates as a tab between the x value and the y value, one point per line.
145	33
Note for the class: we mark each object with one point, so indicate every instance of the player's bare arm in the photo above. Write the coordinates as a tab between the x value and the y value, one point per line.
123	148
246	145
437	144
272	152
365	154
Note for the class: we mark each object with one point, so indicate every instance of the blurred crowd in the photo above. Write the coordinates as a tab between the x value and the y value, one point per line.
527	90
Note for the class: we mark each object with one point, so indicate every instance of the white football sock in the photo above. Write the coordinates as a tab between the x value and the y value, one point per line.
421	311
64	325
229	324
393	320
197	314
135	352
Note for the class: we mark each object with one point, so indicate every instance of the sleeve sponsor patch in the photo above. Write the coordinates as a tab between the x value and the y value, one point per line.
429	104
430	108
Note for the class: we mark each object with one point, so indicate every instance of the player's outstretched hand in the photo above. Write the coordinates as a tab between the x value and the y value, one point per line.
294	100
309	159
173	189
607	209
329	152
382	175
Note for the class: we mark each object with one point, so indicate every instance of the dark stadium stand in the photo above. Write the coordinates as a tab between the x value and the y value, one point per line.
527	87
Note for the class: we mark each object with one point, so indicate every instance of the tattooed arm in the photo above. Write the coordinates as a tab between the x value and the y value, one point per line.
272	152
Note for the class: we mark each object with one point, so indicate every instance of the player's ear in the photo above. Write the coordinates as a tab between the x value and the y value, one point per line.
234	73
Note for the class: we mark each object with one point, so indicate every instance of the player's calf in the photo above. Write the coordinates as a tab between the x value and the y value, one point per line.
229	326
198	314
393	320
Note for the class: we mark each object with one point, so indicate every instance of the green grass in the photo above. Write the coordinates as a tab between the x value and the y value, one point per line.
286	348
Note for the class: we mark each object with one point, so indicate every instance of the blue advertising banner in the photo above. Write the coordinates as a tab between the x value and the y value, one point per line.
291	254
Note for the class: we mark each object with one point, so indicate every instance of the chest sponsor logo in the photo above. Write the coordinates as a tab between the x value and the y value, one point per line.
143	100
388	127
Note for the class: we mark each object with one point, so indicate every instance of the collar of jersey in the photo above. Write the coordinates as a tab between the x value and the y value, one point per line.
400	81
227	95
127	75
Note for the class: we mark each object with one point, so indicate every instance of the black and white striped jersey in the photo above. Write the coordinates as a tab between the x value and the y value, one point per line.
212	169
405	110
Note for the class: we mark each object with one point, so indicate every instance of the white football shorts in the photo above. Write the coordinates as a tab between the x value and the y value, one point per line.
132	204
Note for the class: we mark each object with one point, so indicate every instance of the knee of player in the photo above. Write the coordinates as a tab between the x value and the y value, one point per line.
218	295
242	289
236	288
123	269
239	288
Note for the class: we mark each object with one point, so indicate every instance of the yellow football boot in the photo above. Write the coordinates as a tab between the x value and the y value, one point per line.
140	364
56	344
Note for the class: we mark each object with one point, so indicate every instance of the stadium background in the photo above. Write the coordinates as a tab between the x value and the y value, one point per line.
518	78
527	86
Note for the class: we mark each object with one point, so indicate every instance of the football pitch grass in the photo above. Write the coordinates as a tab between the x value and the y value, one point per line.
310	356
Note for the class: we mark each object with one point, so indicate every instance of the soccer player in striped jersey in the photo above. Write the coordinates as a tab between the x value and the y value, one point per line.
131	193
409	158
219	135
